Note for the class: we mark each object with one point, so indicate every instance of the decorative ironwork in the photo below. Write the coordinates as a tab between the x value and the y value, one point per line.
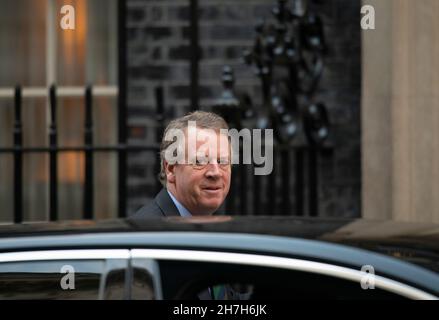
287	56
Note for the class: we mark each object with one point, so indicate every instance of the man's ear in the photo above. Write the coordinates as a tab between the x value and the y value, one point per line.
170	172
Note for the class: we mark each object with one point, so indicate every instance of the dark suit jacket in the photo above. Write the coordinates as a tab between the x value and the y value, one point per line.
161	206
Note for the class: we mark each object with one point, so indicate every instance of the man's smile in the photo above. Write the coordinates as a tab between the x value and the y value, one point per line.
211	189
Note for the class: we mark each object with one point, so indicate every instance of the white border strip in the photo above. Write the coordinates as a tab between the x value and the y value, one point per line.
284	263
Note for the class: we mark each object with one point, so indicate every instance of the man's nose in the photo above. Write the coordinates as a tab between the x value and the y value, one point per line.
213	170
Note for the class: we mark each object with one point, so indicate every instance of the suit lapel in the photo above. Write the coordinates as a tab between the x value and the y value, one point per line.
166	204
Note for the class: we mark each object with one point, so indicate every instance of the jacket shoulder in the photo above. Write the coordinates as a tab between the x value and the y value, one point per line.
150	210
161	206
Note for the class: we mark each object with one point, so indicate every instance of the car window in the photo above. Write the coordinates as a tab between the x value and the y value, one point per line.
62	279
193	280
145	280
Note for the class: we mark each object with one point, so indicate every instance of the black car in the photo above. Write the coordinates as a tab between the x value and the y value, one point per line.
220	257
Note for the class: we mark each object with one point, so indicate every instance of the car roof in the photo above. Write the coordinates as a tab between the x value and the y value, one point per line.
196	240
324	239
414	242
355	231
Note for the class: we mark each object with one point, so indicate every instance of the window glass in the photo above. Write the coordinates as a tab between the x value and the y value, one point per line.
115	285
51	280
222	281
63	280
146	280
142	286
32	54
23	43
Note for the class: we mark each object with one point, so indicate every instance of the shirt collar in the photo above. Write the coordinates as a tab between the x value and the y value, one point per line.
181	209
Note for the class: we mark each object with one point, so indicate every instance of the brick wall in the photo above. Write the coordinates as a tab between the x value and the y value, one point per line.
158	54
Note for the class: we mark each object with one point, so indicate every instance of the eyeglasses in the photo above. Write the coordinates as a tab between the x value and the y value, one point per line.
199	164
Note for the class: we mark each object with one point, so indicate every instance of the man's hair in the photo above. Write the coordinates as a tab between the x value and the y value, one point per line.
203	120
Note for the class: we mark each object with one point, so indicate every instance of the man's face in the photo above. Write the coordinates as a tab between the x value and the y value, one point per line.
202	184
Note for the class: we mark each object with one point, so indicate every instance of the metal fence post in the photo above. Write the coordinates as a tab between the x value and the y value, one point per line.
88	141
53	153
18	159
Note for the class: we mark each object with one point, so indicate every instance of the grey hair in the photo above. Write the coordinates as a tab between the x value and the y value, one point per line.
203	119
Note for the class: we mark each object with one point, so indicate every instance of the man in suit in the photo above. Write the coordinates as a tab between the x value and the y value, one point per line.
195	169
197	184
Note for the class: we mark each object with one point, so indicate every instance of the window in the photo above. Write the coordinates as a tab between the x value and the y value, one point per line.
42	280
191	280
35	52
146	280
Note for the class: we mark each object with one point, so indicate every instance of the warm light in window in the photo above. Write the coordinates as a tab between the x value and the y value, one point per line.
71	167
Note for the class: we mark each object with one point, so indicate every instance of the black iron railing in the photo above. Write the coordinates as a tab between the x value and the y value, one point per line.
294	43
88	149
